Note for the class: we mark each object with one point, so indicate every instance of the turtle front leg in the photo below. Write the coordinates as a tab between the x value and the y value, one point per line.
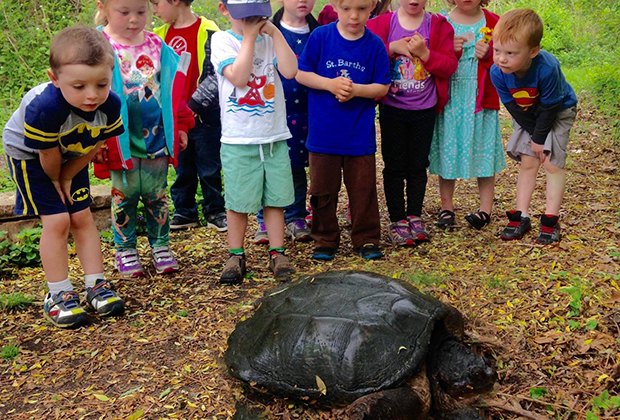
412	401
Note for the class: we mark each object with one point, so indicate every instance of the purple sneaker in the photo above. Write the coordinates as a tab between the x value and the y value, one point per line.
400	234
261	237
164	261
298	231
418	230
128	264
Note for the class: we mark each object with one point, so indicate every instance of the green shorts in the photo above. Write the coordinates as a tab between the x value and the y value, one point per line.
256	176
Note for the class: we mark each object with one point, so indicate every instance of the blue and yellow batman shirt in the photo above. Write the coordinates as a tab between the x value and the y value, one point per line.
45	119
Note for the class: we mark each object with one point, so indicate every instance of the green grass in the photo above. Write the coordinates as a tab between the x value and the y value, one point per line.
14	301
9	352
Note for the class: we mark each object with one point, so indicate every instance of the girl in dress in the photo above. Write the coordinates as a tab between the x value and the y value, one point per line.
466	141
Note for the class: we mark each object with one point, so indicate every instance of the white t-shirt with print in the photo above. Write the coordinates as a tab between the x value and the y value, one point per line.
256	113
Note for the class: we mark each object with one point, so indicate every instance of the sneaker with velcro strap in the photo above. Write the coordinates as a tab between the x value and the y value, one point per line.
163	260
103	299
63	309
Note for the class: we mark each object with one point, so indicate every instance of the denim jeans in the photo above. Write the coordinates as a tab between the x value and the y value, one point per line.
297	210
199	162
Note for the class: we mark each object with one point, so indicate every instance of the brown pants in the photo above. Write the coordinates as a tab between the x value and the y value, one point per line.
360	177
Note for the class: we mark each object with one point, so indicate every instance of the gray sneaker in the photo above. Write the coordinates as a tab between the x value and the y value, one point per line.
298	231
217	221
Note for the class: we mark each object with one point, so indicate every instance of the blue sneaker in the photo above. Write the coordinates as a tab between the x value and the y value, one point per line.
64	310
324	253
103	299
369	252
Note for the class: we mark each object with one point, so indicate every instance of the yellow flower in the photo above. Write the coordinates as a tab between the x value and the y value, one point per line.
486	34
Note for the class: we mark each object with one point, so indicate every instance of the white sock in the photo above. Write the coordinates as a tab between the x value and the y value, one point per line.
60	286
91	279
524	214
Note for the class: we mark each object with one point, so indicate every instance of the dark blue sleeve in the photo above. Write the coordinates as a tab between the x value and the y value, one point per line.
497	78
308	60
550	86
43	119
112	109
382	63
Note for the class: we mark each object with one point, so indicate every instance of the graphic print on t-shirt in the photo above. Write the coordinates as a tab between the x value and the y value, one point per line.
259	99
408	75
525	97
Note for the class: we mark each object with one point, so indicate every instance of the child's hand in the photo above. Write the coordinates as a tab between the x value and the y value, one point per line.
102	155
539	151
482	48
417	47
401	47
251	27
459	41
65	189
182	140
58	187
268	28
342	88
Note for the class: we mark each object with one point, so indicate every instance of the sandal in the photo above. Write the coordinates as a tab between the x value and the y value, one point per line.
478	220
446	219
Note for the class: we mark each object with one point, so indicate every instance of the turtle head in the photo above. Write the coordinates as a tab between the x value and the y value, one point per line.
460	372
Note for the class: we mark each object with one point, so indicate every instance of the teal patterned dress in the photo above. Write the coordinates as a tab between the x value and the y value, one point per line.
466	144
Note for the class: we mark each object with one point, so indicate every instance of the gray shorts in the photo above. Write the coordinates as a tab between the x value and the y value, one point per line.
555	143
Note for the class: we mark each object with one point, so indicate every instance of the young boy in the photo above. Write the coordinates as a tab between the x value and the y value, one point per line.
543	107
49	141
346	67
257	169
200	161
296	22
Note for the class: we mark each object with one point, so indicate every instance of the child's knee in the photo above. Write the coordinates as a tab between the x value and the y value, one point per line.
552	169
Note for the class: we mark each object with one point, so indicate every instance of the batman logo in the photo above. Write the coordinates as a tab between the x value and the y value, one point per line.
80	194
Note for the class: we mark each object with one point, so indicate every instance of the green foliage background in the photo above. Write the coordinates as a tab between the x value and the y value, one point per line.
583	34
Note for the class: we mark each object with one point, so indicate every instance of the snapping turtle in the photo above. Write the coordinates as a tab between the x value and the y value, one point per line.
348	336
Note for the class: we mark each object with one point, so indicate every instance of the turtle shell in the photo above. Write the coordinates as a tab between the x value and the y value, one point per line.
335	336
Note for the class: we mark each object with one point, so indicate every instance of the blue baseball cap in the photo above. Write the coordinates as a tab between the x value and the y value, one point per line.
240	9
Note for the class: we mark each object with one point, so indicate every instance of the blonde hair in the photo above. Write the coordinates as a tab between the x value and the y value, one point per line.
101	18
80	45
373	3
452	3
519	25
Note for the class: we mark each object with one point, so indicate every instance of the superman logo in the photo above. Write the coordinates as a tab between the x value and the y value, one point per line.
525	97
80	194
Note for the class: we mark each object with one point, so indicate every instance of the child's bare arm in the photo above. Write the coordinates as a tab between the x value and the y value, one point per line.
339	86
238	73
370	91
72	167
287	62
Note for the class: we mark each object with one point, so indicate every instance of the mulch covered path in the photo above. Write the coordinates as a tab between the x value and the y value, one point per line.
547	317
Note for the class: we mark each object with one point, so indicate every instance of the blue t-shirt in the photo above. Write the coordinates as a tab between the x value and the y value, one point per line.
45	119
346	128
543	83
